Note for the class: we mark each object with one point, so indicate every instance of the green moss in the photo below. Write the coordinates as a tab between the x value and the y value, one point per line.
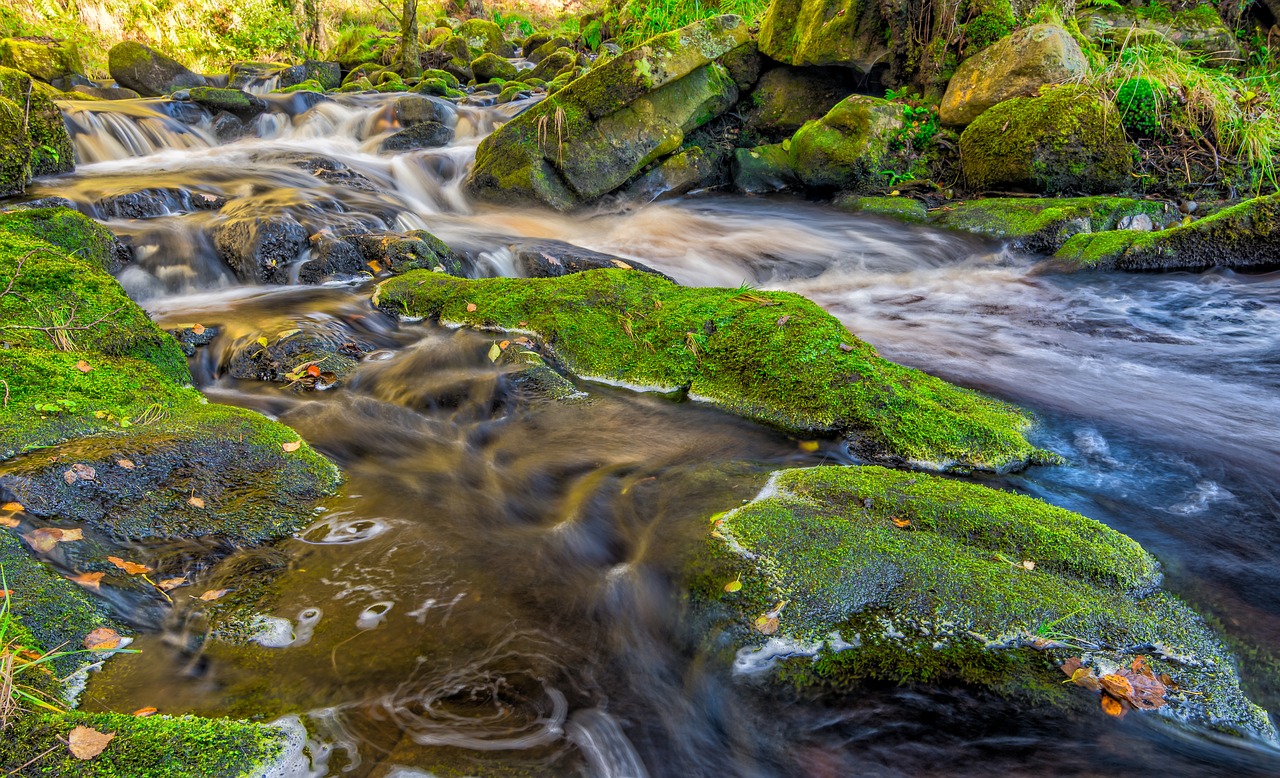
907	209
310	85
1066	140
44	59
220	99
48	140
1043	225
154	747
989	21
67	229
847	148
15	162
1139	101
943	593
771	356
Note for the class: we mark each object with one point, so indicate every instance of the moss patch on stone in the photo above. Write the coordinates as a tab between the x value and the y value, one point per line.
1043	224
910	577
907	209
49	142
771	356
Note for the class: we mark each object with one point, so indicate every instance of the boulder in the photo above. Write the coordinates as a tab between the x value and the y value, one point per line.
106	92
1042	225
334	254
770	356
425	135
241	104
548	48
536	39
1066	141
850	33
488	66
786	97
764	168
676	175
1014	66
847	148
851	573
904	209
260	250
483	36
411	110
49	149
553	64
148	72
14	170
1244	235
596	133
43	58
554	258
1199	30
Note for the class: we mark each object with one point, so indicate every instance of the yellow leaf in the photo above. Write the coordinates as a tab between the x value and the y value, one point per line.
494	352
43	540
809	445
9	521
86	743
291	446
262	341
766	624
733	586
901	523
132	568
12	507
1112	707
102	639
214	594
71	535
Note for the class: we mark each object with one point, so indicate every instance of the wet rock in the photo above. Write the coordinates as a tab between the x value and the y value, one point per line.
848	147
242	104
676	175
1042	225
786	98
227	127
246	74
770	356
60	225
45	202
554	258
532	377
149	72
864	572
850	33
107	92
336	254
260	250
150	203
328	170
905	209
286	357
327	74
420	136
764	168
1244	235
1065	141
14	170
44	58
193	336
1015	66
71	81
411	110
596	133
744	65
487	67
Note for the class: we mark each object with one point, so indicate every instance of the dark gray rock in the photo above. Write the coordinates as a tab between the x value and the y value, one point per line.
419	136
553	258
149	72
260	250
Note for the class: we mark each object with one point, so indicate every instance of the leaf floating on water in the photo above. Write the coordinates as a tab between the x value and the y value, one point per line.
214	594
142	713
494	352
196	502
9	521
291	446
43	540
809	445
79	472
83	366
86	743
127	464
102	639
471	307
132	568
89	580
1116	685
169	584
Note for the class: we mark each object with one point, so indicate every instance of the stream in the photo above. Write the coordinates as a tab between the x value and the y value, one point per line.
497	586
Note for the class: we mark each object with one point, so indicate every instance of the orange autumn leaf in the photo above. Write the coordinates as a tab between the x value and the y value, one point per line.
1112	707
291	446
86	743
43	540
214	594
197	502
12	507
142	713
83	366
102	639
313	371
89	580
901	523
198	329
471	307
9	521
169	584
1116	685
132	568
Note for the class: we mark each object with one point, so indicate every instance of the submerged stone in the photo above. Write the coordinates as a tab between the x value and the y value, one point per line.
771	356
554	258
867	573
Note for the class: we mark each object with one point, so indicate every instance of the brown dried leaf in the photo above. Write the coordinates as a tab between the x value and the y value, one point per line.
197	329
845	347
471	307
169	584
86	743
89	580
79	472
132	568
9	521
127	464
291	446
83	366
1116	685
767	624
195	502
43	540
214	594
102	639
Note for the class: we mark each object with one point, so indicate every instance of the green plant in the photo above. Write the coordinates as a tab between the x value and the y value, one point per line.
1141	101
643	19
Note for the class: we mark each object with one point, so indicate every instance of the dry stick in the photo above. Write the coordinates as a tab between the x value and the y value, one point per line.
53	331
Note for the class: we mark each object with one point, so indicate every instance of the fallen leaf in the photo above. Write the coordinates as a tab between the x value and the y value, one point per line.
494	353
503	344
142	713
1085	678
621	264
44	540
132	568
845	347
471	307
83	366
214	594
79	472
12	507
375	266
733	586
1116	685
1112	707
198	329
262	341
89	580
901	523
766	624
9	521
102	639
1027	564
313	371
809	445
291	446
196	502
169	584
71	535
127	464
86	743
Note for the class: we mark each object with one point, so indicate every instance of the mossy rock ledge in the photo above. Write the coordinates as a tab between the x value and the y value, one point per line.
102	432
771	356
868	573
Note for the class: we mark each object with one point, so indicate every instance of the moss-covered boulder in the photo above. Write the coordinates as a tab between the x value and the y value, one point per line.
771	356
867	573
1244	235
489	66
905	209
554	64
234	101
785	98
48	142
1042	225
1015	66
148	72
1198	29
825	32
1066	141
764	168
590	137
676	175
14	163
483	36
847	148
42	58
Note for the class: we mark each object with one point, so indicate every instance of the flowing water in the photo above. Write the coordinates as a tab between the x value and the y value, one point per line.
497	587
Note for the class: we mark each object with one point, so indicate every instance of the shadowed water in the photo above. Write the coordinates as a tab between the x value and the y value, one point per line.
498	587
